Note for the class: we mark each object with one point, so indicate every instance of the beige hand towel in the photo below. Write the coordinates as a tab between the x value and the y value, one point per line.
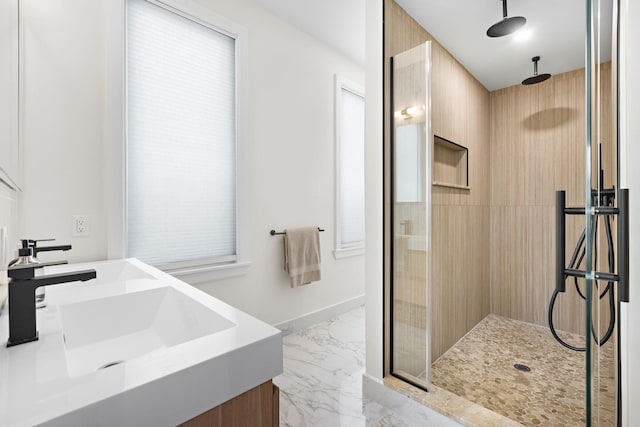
302	255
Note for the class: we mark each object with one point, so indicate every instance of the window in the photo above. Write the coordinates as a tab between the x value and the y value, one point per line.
349	169
182	204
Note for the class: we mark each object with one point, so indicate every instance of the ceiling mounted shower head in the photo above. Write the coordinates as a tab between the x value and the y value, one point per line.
507	25
536	78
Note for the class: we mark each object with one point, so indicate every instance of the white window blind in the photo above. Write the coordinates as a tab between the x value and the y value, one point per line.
350	146
181	136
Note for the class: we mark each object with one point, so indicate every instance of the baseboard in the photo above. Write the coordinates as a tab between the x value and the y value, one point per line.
367	378
293	325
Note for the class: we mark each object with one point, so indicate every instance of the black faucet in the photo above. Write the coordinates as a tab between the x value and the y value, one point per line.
22	288
36	249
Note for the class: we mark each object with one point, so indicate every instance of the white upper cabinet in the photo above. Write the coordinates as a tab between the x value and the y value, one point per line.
9	142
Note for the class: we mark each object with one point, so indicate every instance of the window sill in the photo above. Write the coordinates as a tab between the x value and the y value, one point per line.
347	253
194	275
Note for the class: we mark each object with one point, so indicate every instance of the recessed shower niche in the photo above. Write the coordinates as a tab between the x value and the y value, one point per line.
450	164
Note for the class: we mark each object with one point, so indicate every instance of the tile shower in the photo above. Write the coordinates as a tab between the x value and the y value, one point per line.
471	264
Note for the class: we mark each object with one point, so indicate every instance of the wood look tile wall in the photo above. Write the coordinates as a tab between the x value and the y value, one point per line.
459	294
538	147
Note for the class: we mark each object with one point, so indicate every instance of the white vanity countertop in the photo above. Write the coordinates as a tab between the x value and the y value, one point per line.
167	386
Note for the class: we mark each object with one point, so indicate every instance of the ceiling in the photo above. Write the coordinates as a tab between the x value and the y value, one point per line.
555	30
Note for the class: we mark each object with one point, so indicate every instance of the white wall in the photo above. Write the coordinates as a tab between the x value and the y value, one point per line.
62	104
630	178
291	163
290	136
8	208
374	190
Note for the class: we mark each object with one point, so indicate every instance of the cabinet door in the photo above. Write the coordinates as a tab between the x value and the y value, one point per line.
258	407
9	144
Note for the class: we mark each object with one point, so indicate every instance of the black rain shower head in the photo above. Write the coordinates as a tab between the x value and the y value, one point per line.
507	25
536	78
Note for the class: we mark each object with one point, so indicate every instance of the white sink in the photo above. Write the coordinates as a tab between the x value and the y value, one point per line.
107	272
112	278
178	352
108	331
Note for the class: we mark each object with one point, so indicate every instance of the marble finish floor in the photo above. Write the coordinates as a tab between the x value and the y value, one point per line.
323	365
322	380
480	368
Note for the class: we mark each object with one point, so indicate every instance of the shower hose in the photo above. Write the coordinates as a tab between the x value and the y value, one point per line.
608	291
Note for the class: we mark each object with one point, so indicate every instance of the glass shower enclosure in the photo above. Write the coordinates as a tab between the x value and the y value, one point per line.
603	268
411	153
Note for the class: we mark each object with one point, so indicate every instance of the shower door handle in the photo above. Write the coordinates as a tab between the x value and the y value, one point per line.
623	243
622	211
560	240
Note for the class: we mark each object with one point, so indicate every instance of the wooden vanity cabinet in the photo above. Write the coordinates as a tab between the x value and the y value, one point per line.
258	407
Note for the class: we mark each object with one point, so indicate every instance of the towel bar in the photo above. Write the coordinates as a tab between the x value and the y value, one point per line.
274	232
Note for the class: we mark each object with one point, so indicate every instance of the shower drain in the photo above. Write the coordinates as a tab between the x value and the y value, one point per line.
110	364
523	368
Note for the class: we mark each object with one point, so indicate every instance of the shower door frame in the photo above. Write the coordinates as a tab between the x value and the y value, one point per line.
427	169
593	114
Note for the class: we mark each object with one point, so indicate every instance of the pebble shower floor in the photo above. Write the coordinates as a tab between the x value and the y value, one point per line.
480	368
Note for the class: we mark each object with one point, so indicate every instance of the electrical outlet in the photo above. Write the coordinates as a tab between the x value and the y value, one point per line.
80	225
